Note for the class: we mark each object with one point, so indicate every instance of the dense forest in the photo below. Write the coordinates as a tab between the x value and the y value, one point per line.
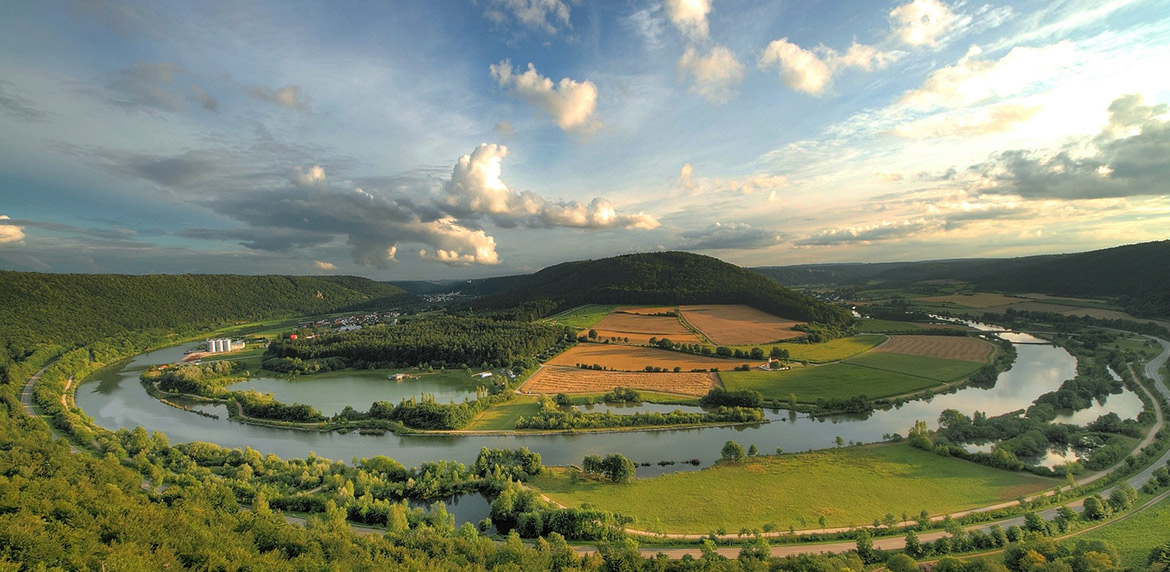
74	309
663	278
444	341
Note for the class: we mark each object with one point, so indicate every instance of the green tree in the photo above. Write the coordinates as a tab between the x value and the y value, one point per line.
901	563
732	451
752	450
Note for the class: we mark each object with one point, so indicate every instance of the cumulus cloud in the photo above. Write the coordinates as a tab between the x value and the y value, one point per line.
921	22
689	17
314	176
570	103
714	75
459	246
476	188
325	266
812	71
1128	158
544	15
288	96
735	236
974	80
10	233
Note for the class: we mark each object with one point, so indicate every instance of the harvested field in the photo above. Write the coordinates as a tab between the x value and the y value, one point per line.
552	379
631	358
640	328
945	347
735	324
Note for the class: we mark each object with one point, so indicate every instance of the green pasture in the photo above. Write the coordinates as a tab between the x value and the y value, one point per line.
824	352
922	366
1135	536
849	487
584	317
838	380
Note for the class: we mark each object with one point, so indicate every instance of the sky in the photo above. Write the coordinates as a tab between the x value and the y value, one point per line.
407	140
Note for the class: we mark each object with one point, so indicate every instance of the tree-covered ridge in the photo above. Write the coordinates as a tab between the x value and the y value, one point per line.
73	309
664	278
447	341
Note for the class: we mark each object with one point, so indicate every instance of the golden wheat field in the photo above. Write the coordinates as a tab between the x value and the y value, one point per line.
552	379
734	324
945	347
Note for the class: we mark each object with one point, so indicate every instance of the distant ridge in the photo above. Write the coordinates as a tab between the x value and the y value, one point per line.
663	278
78	308
1137	276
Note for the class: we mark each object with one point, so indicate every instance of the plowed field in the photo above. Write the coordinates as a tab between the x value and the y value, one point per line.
631	358
946	347
553	379
640	328
731	325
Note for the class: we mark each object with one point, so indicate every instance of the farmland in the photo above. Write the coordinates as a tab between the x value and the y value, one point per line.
639	328
833	350
937	369
777	492
945	347
834	381
729	325
635	358
1137	535
561	379
583	317
979	300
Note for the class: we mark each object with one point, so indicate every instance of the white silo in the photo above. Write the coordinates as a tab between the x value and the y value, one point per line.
211	346
218	345
227	344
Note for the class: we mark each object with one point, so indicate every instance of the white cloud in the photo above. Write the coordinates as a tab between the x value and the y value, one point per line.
968	122
689	17
715	76
921	22
544	15
476	188
451	240
805	70
759	182
571	103
288	96
801	69
10	233
313	177
975	80
321	265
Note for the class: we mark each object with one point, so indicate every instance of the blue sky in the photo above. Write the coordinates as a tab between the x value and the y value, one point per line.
410	140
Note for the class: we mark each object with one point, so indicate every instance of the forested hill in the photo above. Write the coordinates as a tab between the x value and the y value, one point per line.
663	278
73	309
1136	275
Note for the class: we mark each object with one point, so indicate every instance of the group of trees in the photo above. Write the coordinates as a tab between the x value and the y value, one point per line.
561	420
441	341
615	468
722	397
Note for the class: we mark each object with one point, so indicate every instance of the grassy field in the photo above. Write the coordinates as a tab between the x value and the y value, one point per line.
833	350
839	380
850	486
974	300
1137	535
584	317
503	417
1142	346
875	326
931	367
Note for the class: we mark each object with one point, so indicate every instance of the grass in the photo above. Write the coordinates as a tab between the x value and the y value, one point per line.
922	366
503	417
840	380
584	317
1137	535
1137	345
850	486
833	350
875	326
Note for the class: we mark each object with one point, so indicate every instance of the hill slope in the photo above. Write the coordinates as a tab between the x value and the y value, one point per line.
77	308
663	278
1136	275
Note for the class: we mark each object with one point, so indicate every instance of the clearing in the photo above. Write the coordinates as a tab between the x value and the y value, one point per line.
551	380
945	347
849	487
503	417
735	324
582	318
